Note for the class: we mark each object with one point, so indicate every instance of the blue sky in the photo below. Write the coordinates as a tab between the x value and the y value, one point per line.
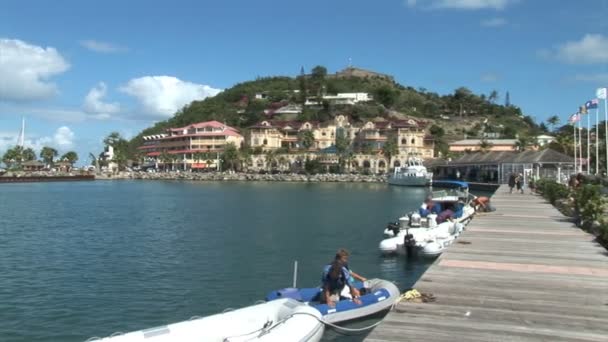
77	70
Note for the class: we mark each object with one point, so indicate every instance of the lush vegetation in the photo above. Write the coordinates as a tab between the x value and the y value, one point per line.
15	156
587	200
461	112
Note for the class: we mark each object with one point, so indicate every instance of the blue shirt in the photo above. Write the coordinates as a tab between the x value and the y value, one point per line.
424	209
336	284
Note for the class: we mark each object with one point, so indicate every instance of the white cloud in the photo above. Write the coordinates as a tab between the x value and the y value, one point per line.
489	77
94	104
600	78
591	49
461	4
103	47
63	138
494	22
26	70
162	96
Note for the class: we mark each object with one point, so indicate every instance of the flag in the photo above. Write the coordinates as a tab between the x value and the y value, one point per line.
601	93
591	104
582	110
574	118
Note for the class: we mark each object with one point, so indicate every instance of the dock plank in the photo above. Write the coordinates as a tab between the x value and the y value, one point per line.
522	273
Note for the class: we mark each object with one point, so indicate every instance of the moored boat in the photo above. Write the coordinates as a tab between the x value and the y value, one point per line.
414	174
277	321
380	295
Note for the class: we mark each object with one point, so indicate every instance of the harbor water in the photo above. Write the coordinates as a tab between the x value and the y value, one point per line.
89	259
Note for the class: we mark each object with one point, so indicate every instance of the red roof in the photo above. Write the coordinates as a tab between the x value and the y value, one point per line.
213	123
203	134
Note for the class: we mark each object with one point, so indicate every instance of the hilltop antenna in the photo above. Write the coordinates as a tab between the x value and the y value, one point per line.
350	62
21	139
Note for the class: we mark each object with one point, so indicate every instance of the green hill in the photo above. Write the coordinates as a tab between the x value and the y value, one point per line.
454	115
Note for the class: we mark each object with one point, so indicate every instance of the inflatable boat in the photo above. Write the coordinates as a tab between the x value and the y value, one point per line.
425	240
276	321
380	295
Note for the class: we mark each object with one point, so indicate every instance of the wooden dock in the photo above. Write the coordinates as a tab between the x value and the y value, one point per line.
522	273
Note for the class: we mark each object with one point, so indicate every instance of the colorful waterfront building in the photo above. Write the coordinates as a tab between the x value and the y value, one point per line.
367	140
192	147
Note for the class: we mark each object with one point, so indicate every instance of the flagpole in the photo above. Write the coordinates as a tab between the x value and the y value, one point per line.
597	140
588	147
606	130
580	145
575	147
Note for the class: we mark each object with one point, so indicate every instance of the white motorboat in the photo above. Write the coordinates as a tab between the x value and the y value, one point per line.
276	321
422	240
414	174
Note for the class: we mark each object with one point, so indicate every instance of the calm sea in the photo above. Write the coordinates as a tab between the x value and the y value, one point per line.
88	259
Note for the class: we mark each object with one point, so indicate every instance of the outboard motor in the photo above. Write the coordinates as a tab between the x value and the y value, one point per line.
409	243
415	220
404	222
394	227
432	220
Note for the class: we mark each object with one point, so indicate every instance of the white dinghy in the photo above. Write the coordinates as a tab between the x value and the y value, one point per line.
421	239
277	321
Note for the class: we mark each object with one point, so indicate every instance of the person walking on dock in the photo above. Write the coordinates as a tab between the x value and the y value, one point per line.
511	182
519	183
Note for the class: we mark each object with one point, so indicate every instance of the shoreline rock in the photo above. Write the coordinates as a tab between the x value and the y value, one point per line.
246	177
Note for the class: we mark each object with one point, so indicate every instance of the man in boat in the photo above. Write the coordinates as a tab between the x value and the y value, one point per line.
429	207
343	255
482	203
335	281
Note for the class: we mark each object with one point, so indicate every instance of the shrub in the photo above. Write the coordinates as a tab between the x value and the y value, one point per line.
589	203
551	190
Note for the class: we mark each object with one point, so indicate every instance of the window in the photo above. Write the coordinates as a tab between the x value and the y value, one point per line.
413	141
403	141
265	142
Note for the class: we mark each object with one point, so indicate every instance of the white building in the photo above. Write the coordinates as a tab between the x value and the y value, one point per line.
341	99
543	140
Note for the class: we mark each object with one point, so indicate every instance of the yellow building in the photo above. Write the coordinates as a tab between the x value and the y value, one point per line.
366	139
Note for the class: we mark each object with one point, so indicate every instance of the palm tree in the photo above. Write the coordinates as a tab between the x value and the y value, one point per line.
270	158
28	154
230	156
307	139
522	143
390	148
553	121
493	97
48	154
71	157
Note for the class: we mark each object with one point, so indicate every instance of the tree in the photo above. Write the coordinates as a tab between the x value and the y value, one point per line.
319	72
307	139
71	157
164	158
522	143
385	95
48	154
437	131
113	139
230	156
302	86
493	97
13	157
94	161
390	148
507	100
270	158
553	121
28	154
